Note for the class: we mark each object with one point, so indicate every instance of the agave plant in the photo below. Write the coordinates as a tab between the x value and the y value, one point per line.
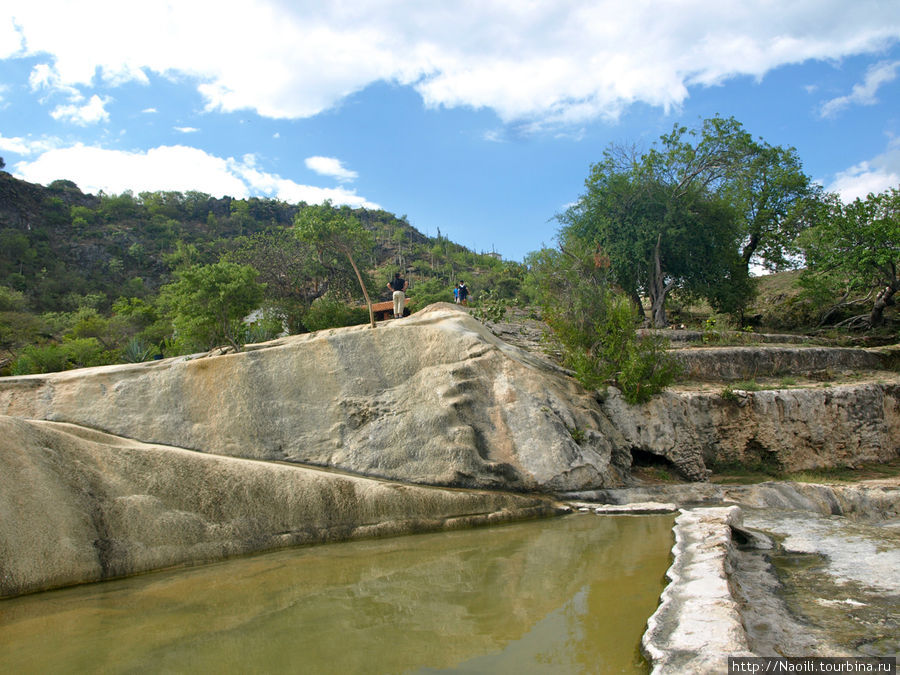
136	350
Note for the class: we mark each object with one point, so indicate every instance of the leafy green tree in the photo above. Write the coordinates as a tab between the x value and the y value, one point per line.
208	302
658	236
336	232
693	213
775	201
116	208
289	268
858	244
184	256
16	253
18	326
428	291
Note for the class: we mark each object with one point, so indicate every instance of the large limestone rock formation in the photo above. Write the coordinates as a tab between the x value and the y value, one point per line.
434	398
784	429
78	505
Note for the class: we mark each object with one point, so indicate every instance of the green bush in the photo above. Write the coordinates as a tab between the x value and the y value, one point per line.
86	352
207	303
596	328
40	359
489	307
428	291
329	312
71	353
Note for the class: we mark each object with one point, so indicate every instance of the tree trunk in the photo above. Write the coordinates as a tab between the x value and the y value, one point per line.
657	289
885	298
658	311
749	249
638	305
363	287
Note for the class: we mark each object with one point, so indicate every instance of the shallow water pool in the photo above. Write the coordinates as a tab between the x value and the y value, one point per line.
563	595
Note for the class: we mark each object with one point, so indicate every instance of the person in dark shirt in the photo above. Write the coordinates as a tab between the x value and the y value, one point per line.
463	293
398	285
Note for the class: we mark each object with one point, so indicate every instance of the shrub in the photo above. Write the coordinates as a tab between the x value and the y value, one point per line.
329	312
596	327
40	359
428	291
50	358
489	307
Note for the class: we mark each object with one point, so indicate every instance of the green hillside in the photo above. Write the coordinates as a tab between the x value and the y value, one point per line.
80	275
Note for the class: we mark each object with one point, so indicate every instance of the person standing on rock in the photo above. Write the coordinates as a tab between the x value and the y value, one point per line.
398	285
463	293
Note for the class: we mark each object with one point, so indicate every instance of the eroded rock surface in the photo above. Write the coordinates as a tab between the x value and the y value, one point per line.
698	623
783	429
736	363
434	398
78	505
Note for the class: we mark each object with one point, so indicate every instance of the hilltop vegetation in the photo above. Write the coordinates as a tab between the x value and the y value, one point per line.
81	275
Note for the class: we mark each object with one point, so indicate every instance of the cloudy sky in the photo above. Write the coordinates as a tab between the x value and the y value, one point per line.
476	117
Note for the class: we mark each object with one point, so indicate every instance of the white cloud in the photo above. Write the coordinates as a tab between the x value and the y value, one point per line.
289	191
177	167
186	130
42	77
10	38
26	146
871	176
865	93
329	166
92	112
555	63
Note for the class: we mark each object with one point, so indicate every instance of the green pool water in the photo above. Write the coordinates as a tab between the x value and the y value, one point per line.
563	595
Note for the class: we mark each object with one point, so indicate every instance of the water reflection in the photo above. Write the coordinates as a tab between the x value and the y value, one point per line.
565	595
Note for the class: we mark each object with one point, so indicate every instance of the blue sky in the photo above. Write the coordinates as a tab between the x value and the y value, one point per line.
478	118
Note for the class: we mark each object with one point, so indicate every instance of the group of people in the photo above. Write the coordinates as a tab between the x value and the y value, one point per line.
461	293
398	286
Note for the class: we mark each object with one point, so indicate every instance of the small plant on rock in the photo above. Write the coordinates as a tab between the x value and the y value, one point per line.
490	307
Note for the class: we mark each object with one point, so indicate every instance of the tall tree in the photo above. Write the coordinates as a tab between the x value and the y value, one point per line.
775	201
859	243
693	212
659	216
289	269
336	232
